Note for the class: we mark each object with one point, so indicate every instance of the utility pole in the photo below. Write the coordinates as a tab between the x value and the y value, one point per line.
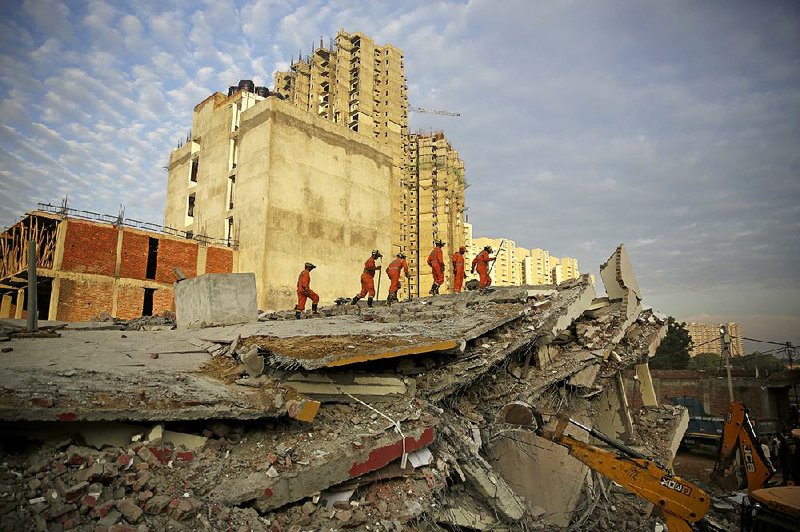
725	338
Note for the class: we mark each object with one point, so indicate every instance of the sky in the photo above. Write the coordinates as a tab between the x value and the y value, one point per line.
672	127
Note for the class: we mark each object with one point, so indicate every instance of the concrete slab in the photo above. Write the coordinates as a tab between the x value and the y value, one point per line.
215	299
617	275
332	386
131	376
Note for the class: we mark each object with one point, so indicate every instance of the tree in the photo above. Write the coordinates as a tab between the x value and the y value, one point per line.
673	353
706	361
763	361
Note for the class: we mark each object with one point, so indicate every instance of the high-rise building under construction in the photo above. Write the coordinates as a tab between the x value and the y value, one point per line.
361	85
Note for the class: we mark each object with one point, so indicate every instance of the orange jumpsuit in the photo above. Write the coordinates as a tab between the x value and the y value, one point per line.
393	271
304	290
458	272
481	263
436	262
368	278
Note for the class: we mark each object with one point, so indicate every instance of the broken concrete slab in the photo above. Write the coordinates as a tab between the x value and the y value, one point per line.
617	275
339	386
99	375
215	299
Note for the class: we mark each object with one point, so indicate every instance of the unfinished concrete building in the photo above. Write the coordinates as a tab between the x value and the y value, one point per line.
89	264
289	186
435	207
361	85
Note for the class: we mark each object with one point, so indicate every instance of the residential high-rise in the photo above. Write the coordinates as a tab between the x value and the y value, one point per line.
520	266
706	338
361	85
435	207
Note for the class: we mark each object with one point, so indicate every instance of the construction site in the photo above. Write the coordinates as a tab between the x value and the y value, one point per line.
153	377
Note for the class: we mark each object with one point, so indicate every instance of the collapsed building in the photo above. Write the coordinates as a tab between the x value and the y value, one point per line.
387	418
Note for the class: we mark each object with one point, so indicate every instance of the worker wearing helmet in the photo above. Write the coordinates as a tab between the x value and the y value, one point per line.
481	263
393	271
458	269
304	292
368	279
436	262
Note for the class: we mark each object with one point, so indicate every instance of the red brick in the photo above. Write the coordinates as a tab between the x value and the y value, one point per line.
175	254
130	300
83	300
133	259
163	300
219	260
90	248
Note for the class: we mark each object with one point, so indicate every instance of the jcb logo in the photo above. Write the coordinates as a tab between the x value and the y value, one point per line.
673	484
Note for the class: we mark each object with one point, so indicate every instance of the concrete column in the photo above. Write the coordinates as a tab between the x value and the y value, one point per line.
5	306
646	389
55	292
202	257
624	409
20	303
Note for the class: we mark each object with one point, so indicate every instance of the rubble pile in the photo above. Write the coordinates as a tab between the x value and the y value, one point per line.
387	418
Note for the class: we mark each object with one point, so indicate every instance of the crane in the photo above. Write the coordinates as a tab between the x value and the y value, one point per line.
432	111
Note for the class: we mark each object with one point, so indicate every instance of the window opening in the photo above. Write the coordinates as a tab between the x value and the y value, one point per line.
152	258
147	304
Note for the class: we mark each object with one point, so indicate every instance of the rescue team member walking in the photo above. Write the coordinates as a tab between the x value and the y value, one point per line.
304	292
436	262
458	269
368	279
481	263
393	271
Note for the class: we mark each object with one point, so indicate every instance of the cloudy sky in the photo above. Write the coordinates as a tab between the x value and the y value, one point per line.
673	127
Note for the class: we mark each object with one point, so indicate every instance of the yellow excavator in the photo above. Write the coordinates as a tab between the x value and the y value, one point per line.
765	507
680	501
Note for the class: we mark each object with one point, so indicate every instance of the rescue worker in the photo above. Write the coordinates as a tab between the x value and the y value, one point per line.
458	269
368	279
304	292
481	263
436	262
393	271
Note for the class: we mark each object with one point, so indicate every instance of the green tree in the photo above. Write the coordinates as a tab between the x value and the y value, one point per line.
673	353
706	361
756	359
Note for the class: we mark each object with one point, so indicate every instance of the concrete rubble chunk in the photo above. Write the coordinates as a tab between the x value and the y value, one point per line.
491	485
215	299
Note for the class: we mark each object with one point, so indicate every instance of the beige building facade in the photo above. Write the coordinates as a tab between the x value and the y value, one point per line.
706	338
285	186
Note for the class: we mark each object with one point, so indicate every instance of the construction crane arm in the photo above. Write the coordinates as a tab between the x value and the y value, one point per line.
432	111
680	501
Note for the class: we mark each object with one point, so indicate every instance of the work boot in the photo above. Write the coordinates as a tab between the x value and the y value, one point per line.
434	289
369	301
314	308
355	300
297	313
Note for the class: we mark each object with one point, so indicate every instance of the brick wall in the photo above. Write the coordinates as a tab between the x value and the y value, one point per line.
82	300
711	387
129	301
133	263
163	300
175	254
219	260
90	248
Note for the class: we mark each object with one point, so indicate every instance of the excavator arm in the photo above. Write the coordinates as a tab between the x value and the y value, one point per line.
681	502
738	435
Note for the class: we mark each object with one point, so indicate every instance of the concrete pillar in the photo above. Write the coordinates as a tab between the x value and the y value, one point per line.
55	291
646	389
20	303
202	257
5	306
624	409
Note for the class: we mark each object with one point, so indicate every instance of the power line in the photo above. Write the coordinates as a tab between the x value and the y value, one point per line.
782	344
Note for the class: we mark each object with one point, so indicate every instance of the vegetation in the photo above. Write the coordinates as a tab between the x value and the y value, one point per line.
673	353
